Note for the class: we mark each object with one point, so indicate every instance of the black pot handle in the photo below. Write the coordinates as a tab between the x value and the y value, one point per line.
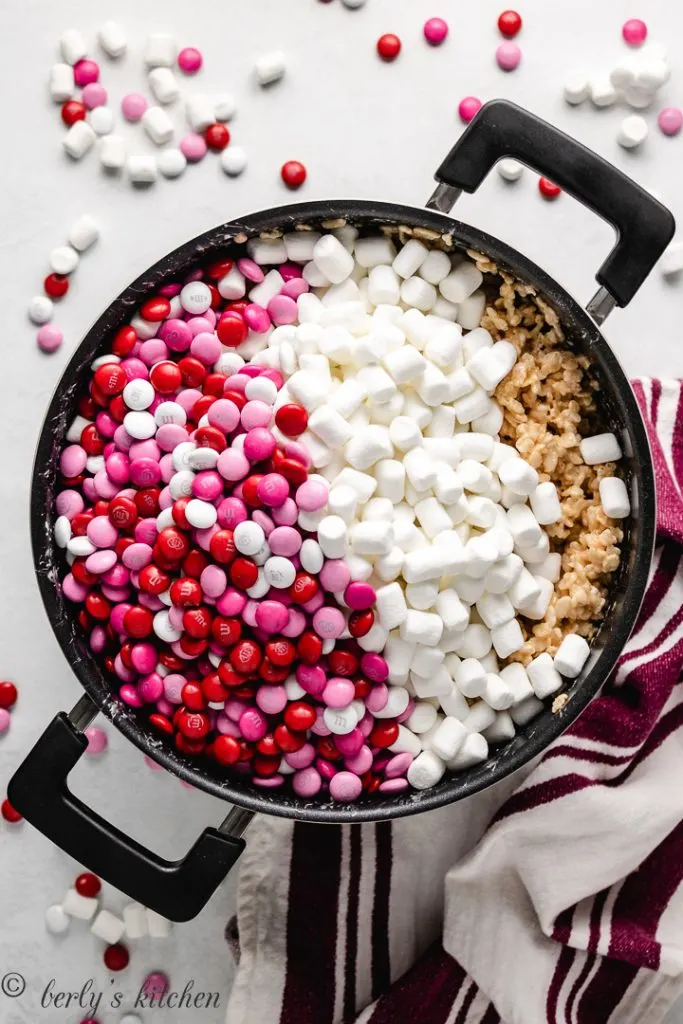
175	889
644	227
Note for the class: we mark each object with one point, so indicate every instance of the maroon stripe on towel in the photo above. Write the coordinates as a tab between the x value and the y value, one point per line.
425	993
581	754
542	793
564	962
656	395
605	991
579	982
677	443
352	923
466	1004
642	900
589	962
563	926
314	879
381	966
661	732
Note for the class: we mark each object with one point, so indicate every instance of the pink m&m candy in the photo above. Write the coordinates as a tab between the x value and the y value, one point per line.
133	106
634	31
508	56
670	120
435	31
468	107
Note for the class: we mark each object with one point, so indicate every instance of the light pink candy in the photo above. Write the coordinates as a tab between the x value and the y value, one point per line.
100	561
338	692
193	147
312	495
508	56
307	783
256	414
284	540
97	740
133	106
232	464
73	590
271	699
670	120
94	95
271	616
345	786
250	270
206	347
335	575
259	444
329	623
282	309
256	318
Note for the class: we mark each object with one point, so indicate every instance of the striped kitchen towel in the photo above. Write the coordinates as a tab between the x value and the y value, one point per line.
554	897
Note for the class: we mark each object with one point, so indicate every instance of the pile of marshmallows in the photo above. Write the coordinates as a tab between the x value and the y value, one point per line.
299	543
635	78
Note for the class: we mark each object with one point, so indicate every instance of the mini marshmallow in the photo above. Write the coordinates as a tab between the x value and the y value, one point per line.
600	448
432	517
475	642
632	132
164	85
518	476
433	387
435	267
442	424
521	521
426	770
158	125
406	743
422	718
420	469
461	283
571	656
496	693
421	596
78	140
474	750
404	364
299	245
267	251
397	702
495	610
377	382
614	497
81	907
480	717
454	704
135	921
332	536
488	366
390	476
451	609
398	655
543	676
471	311
472	405
517	681
372	251
509	169
528	709
602	92
270	67
418	293
507	638
62	86
550	567
369	538
348	398
421	628
108	927
535	609
72	46
444	347
342	501
480	554
577	87
391	606
330	426
332	259
374	639
448	738
362	483
368	446
470	677
671	263
384	286
502	730
545	504
410	258
359	568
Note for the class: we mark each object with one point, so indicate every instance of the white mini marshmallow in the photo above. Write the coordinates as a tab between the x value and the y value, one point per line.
488	366
391	606
370	538
332	536
507	638
397	702
543	676
470	677
576	87
528	709
517	681
632	132
78	140
518	476
332	259
461	282
502	730
62	86
108	927
614	497
135	921
475	642
384	286
471	311
496	692
545	503
421	628
474	750
600	448
479	717
571	656
410	258
448	738
157	926
404	364
81	907
426	770
270	67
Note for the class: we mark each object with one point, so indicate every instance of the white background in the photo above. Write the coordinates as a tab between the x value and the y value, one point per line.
363	129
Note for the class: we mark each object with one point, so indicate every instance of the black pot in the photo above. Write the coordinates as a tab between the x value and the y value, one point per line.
179	890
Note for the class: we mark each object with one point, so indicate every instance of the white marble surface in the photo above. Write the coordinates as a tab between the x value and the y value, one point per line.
364	129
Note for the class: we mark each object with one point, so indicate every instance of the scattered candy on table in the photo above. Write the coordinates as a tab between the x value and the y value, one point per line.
435	31
548	189
634	32
508	56
97	740
388	46
189	60
670	120
293	173
509	23
468	107
9	813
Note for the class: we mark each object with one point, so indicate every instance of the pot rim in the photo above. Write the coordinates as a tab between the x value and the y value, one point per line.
542	730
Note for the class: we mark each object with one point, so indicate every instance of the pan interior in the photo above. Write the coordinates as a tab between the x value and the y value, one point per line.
620	415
